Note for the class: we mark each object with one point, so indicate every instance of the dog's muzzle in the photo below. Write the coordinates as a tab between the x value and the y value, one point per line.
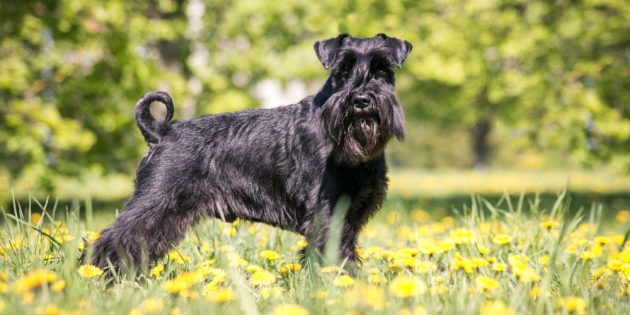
360	102
363	112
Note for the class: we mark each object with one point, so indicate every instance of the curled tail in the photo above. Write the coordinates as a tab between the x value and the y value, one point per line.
151	129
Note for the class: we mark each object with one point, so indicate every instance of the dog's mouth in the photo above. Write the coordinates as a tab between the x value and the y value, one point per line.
364	128
364	120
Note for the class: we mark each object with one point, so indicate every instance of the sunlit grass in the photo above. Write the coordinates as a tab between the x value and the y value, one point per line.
512	257
414	183
404	182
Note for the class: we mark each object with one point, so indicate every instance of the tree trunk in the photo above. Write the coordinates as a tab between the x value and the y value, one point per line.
479	139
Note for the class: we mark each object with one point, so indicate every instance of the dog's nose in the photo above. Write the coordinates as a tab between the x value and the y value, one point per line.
361	101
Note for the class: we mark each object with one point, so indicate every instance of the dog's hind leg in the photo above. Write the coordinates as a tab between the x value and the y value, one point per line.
143	232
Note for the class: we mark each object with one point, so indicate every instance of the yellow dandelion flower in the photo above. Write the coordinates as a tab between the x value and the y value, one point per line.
376	279
593	252
549	224
424	267
446	245
419	310
270	255
207	247
49	310
289	309
420	215
35	218
343	281
183	282
495	308
152	305
600	273
178	257
271	292
523	272
262	278
320	294
4	287
10	246
543	260
174	286
34	279
253	268
288	268
486	284
91	237
622	216
404	286
502	239
438	289
462	236
300	245
429	248
458	263
58	286
156	271
218	277
189	294
230	230
90	271
479	262
220	295
28	297
403	261
499	267
572	304
194	239
448	222
625	272
535	292
483	250
365	298
392	217
408	252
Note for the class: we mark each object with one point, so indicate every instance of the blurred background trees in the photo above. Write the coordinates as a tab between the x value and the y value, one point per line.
489	84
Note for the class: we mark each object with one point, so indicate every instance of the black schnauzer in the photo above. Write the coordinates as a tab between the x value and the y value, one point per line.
285	166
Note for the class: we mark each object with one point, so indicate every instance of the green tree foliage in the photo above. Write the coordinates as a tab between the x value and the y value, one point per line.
546	74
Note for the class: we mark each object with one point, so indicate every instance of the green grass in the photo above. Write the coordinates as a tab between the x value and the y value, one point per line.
404	182
413	263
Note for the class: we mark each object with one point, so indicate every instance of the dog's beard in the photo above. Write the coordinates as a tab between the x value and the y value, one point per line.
360	135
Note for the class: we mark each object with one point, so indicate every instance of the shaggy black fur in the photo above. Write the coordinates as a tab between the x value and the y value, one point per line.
285	166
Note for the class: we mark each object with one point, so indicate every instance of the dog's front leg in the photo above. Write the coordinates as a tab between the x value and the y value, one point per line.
370	184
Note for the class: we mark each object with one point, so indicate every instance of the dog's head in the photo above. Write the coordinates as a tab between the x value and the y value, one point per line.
359	109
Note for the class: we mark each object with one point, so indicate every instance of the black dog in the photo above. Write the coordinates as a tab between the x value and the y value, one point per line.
285	166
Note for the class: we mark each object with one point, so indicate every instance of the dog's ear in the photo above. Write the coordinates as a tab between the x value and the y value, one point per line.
401	48
326	50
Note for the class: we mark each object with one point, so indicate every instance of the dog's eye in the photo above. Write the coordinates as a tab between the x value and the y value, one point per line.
382	73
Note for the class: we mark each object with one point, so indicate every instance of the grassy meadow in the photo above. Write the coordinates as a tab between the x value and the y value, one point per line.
506	255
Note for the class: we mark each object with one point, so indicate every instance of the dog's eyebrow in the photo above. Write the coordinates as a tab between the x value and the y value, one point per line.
345	56
381	56
378	59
